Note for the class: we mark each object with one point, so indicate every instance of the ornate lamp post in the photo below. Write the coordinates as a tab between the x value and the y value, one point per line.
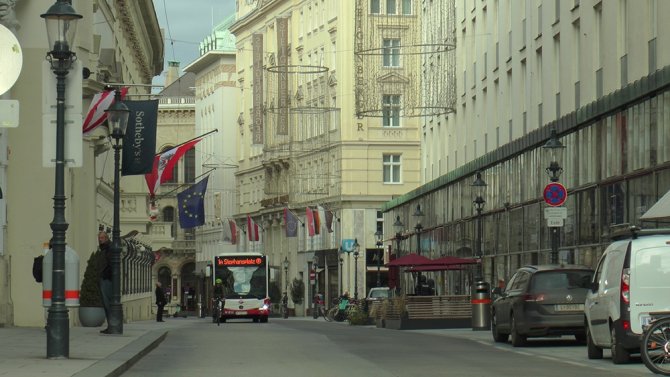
479	187
379	236
398	227
554	152
315	264
285	295
286	264
61	22
341	274
356	253
117	117
418	215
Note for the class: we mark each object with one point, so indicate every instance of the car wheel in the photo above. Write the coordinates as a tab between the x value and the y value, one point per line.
518	340
497	335
593	351
619	354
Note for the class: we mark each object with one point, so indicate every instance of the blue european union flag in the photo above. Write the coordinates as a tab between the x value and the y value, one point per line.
191	204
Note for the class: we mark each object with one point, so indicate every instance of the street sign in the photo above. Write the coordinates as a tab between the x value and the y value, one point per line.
555	194
347	245
554	222
556	212
312	276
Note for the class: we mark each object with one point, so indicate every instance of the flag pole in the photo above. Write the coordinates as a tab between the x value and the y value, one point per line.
182	185
190	140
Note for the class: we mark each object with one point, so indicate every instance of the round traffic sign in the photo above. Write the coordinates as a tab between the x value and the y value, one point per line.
555	194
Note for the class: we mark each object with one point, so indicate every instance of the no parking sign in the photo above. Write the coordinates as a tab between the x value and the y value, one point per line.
555	194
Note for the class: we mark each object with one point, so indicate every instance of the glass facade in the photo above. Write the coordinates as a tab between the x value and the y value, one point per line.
615	169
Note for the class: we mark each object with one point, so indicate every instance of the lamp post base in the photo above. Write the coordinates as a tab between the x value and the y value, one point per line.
58	333
116	319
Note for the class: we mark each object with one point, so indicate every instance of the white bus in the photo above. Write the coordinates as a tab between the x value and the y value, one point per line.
244	277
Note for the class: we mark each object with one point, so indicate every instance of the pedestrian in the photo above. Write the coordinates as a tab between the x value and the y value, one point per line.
160	301
106	287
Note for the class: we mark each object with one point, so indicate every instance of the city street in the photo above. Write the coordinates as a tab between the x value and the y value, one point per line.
308	347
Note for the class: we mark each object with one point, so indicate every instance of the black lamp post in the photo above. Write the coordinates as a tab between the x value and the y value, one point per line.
61	22
341	274
315	264
554	149
285	296
418	215
356	253
398	227
379	236
117	117
286	264
479	187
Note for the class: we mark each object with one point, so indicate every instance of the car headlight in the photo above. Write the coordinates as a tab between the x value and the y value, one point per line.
264	307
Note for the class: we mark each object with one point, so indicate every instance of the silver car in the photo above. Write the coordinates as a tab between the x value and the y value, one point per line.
539	301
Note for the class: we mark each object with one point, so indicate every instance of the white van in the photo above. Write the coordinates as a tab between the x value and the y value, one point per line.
632	279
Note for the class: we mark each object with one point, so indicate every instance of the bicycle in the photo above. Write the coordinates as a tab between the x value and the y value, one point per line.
655	346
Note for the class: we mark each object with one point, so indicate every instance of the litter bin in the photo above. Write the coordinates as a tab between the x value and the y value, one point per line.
481	306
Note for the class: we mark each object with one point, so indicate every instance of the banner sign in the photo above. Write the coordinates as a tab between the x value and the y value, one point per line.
257	90
139	142
282	89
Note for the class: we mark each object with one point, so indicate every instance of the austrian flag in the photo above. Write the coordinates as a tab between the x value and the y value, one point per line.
164	165
252	229
96	112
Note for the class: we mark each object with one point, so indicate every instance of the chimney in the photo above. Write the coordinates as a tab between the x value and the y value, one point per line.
172	73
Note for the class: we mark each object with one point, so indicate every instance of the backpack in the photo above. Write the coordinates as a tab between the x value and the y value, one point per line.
37	268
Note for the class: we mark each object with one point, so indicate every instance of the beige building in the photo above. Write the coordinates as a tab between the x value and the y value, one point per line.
594	71
301	143
216	96
118	42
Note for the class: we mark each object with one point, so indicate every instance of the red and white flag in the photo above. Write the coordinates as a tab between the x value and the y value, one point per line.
309	220
233	231
252	229
164	164
96	114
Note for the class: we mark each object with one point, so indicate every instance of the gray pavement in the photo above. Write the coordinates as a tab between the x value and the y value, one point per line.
23	350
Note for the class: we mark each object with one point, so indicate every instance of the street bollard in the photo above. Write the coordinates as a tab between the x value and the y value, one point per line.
481	306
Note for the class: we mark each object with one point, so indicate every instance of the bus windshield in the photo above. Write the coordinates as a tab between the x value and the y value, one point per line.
242	276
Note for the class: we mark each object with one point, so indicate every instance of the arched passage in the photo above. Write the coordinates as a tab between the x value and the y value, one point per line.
188	286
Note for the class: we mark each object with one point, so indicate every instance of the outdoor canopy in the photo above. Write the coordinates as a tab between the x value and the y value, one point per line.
412	259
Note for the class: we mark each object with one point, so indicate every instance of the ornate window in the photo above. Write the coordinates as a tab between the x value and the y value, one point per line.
391	110
391	53
392	167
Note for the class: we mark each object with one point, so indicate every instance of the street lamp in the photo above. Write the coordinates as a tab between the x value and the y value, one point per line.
286	263
61	23
341	274
117	118
315	263
398	227
380	236
356	253
554	152
479	187
285	296
418	215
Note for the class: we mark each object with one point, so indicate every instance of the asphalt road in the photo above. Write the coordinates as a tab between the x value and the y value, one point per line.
317	348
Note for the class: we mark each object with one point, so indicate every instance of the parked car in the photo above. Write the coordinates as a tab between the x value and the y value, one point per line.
379	293
544	300
632	280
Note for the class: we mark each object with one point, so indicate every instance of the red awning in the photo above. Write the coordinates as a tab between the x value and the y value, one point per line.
410	260
455	267
450	261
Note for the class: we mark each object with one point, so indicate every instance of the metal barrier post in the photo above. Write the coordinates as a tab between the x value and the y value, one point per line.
481	306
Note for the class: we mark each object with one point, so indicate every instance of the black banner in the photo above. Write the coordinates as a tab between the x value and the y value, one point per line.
139	142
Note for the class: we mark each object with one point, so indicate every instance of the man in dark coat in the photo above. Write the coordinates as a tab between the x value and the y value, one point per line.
160	302
106	288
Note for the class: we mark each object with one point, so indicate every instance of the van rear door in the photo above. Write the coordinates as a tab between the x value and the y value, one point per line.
649	280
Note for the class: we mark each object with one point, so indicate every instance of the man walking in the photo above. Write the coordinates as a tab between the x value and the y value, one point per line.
160	302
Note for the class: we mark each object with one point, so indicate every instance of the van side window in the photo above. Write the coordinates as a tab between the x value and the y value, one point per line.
599	270
613	271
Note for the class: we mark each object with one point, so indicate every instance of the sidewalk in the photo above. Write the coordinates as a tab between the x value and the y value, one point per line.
23	350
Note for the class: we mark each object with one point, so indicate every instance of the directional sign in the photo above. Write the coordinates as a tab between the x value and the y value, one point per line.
555	194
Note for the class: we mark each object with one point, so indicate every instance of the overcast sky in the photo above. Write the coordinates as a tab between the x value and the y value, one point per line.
185	24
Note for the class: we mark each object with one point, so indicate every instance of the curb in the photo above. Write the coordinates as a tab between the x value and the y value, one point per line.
120	361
